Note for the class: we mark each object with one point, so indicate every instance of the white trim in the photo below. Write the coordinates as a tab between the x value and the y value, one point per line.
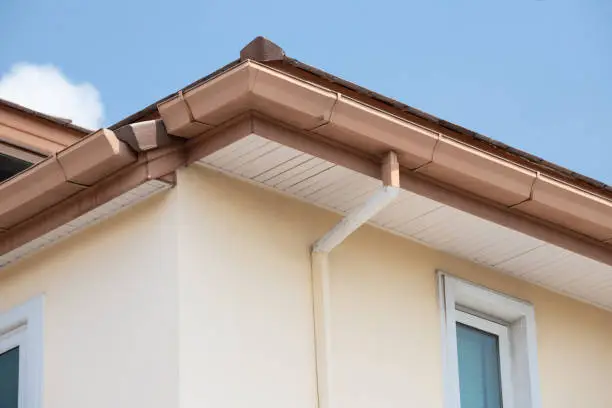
322	324
320	285
518	347
356	218
23	326
98	214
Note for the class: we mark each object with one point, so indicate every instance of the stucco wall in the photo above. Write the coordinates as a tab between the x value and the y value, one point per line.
246	311
201	297
110	317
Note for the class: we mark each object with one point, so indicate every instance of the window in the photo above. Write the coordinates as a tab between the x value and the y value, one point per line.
21	356
14	160
489	348
483	357
9	166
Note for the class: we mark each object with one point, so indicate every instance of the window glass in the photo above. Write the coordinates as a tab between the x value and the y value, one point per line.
9	166
479	373
9	378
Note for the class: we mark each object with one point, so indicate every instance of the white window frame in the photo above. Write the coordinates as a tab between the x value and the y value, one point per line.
513	320
505	361
22	327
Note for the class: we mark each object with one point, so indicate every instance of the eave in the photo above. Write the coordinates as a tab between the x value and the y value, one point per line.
517	195
268	100
36	132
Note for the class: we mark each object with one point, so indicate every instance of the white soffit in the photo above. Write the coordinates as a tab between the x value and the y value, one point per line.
94	216
311	179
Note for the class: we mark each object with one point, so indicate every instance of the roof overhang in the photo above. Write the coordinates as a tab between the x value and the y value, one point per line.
505	192
34	132
251	119
275	157
78	179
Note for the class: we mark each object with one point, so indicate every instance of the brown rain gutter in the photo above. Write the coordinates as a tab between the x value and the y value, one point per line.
319	113
89	173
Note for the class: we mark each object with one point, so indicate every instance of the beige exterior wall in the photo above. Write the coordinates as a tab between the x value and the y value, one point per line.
246	310
110	314
201	297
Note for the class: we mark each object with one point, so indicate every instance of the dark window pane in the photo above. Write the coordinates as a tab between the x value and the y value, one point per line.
9	378
479	374
9	166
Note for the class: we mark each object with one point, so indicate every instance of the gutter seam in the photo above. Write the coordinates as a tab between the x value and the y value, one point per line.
61	166
331	114
531	191
252	82
522	156
522	184
189	110
433	154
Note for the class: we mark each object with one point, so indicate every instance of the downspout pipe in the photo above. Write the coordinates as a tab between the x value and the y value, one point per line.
320	271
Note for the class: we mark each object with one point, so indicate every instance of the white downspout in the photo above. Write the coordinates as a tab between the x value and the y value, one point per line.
319	257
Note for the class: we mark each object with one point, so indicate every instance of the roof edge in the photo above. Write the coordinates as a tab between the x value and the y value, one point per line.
265	51
63	122
320	107
324	112
79	167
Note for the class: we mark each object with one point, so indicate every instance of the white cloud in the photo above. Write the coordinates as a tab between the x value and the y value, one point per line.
45	89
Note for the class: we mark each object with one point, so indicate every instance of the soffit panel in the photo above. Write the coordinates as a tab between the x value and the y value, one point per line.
286	170
92	217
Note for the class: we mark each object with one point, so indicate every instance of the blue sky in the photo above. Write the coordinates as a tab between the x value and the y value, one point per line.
536	74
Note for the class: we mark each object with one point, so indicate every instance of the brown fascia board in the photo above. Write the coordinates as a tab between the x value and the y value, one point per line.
312	108
156	164
78	168
315	145
294	67
309	73
150	112
61	176
65	123
270	54
158	156
160	163
30	130
250	97
26	155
